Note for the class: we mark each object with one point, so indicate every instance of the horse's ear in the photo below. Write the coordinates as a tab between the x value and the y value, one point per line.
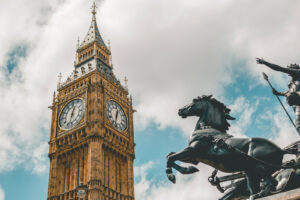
196	99
206	96
227	110
227	116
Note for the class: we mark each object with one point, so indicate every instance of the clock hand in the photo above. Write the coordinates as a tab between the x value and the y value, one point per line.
72	113
116	117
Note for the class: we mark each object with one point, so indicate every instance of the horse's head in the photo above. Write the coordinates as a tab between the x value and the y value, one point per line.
196	108
210	111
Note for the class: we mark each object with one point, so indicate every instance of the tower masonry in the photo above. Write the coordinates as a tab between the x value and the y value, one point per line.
91	138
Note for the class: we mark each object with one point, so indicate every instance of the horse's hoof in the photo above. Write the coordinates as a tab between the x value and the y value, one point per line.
172	178
192	169
251	197
168	170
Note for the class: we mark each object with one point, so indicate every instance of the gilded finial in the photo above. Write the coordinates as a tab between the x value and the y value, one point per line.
110	56
59	79
126	81
109	47
94	8
78	41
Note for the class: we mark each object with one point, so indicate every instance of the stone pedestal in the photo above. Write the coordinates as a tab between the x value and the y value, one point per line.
289	195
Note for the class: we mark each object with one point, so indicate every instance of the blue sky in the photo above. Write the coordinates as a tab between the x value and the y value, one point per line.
154	143
171	52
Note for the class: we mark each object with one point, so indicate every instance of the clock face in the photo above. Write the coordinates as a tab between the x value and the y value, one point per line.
81	193
116	115
71	114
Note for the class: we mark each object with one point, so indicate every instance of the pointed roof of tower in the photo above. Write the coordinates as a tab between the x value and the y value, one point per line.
93	35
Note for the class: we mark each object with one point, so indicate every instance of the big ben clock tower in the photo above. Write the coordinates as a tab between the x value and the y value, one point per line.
91	139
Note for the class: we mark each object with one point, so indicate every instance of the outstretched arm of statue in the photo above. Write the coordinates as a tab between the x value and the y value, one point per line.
275	92
274	67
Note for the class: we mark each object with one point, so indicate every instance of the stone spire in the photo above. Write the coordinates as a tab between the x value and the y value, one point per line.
94	9
93	34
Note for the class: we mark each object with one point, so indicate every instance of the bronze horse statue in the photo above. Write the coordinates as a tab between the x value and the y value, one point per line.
209	143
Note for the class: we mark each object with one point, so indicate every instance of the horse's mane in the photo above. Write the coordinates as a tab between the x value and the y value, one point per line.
225	112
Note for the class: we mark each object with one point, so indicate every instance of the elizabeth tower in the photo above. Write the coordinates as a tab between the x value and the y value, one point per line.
91	139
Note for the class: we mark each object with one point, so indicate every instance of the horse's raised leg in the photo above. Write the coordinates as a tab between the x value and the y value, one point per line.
252	183
259	182
265	188
169	171
238	188
185	154
230	193
252	179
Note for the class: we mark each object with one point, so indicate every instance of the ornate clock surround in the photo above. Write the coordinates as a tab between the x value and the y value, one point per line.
60	130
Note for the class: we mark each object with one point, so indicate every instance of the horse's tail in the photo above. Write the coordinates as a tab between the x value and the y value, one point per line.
293	148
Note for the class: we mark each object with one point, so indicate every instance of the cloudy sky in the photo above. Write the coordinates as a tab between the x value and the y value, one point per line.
171	51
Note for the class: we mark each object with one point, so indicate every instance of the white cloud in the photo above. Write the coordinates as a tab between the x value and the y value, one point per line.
275	122
2	194
245	109
180	50
26	92
39	159
283	133
143	184
171	51
280	129
191	187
